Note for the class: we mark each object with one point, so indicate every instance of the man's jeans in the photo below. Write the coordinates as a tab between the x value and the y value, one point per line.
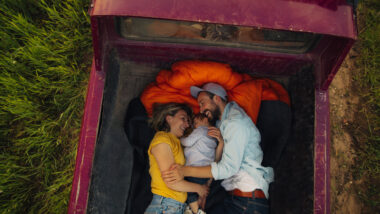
235	205
162	204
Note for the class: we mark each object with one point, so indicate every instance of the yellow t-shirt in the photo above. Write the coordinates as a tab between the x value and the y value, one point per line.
157	184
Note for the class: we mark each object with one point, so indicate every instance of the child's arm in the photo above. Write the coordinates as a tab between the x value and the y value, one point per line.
215	133
219	150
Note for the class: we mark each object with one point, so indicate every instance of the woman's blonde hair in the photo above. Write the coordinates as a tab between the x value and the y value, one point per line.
161	110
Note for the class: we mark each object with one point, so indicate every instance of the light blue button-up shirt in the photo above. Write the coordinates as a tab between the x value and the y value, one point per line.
242	151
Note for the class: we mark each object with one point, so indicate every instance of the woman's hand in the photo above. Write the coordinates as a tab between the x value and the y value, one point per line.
174	174
215	133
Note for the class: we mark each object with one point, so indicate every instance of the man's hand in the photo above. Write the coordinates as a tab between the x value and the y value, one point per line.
202	198
203	191
209	182
202	202
173	175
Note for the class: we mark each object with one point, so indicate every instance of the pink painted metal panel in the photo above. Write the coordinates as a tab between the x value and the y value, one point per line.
322	17
88	134
97	43
322	153
330	73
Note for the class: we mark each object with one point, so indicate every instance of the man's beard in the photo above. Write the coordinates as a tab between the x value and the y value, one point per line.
215	116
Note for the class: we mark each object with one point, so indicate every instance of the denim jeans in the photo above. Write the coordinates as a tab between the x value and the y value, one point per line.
236	204
161	204
239	205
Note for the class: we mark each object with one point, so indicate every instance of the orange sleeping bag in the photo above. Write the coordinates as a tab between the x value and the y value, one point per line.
174	86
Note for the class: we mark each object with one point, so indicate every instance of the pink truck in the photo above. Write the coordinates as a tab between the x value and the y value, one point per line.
298	43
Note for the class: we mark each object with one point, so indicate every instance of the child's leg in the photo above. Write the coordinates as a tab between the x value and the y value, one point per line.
194	206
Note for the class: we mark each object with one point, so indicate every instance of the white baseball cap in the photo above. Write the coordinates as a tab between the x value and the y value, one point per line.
209	87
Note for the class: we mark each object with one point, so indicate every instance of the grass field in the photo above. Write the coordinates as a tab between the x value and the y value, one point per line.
45	56
44	61
368	76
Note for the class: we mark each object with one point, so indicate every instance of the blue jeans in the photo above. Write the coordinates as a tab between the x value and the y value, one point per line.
235	205
161	204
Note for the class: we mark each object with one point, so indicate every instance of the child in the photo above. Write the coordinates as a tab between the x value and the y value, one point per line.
201	149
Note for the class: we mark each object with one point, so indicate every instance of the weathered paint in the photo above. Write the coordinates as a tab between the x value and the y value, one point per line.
88	134
328	17
322	153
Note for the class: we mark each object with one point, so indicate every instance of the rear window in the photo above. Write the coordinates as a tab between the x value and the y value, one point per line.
171	31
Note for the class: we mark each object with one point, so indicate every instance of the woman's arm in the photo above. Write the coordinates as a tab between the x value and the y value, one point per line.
164	157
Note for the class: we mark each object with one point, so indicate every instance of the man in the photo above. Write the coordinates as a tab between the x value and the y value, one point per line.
246	180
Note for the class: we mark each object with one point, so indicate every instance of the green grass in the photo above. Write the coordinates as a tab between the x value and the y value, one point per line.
45	54
368	77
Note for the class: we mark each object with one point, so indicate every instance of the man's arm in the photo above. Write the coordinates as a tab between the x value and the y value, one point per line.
185	186
178	172
236	136
197	171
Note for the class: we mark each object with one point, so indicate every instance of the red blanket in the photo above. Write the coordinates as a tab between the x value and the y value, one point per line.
174	86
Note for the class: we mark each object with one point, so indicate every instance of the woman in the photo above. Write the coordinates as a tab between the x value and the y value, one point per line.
170	121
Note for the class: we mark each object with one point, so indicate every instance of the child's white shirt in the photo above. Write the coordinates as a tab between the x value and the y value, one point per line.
199	148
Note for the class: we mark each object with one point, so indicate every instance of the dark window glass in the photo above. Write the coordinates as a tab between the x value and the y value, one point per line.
147	29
